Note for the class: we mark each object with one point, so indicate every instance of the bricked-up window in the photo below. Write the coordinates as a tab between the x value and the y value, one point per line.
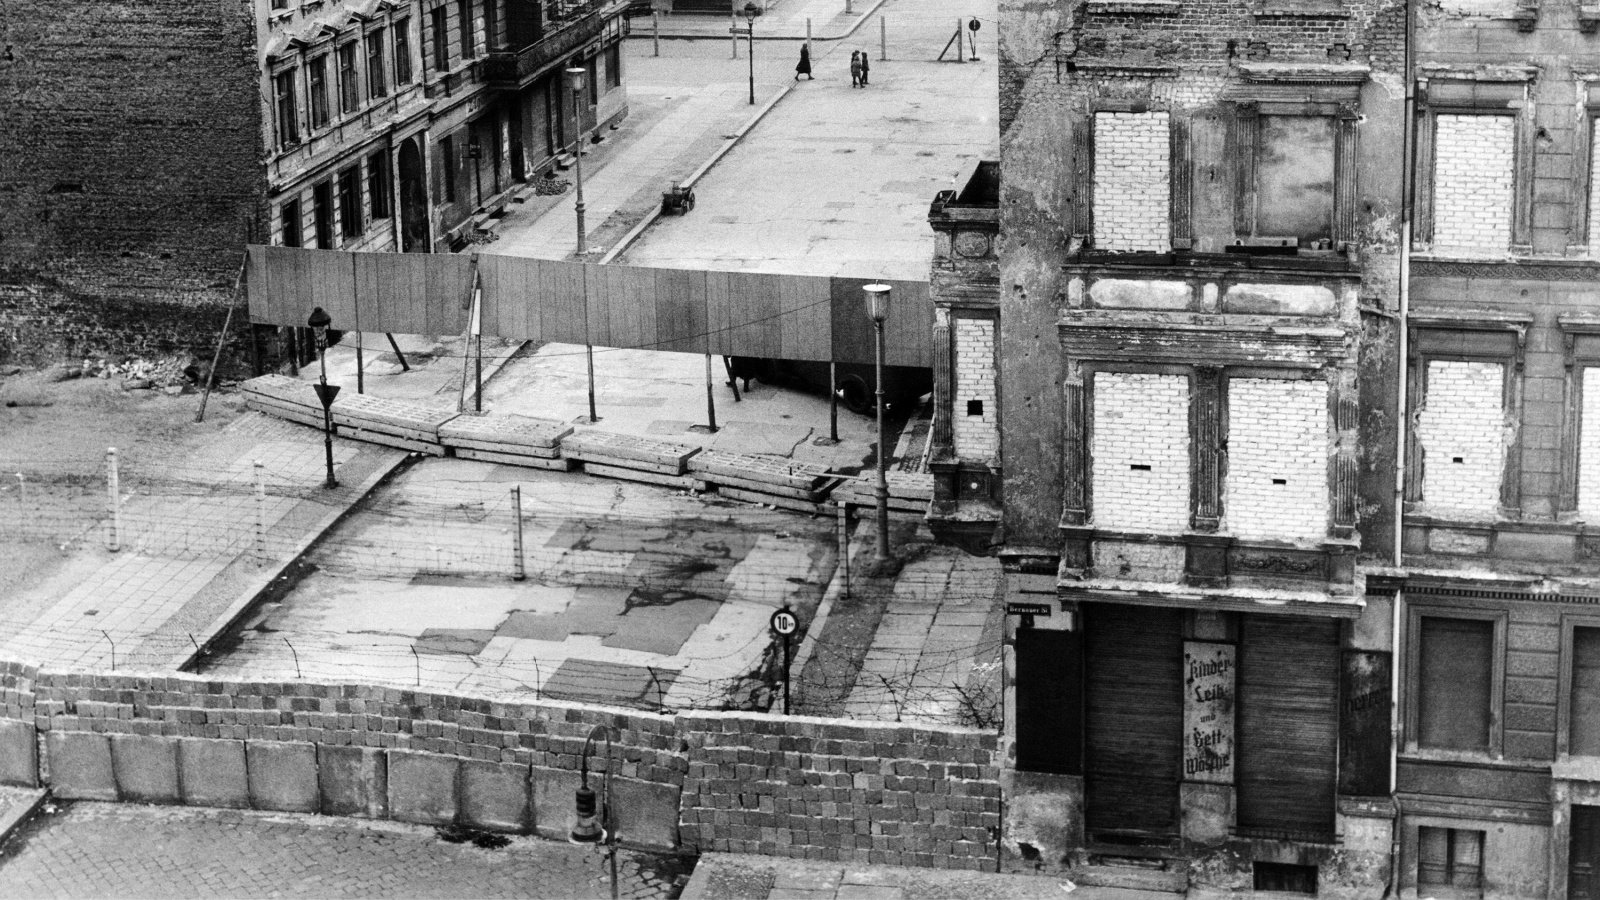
349	88
1294	178
1583	727
1473	177
976	434
288	108
1140	446
1449	858
289	224
1132	180
1277	479
322	214
377	74
402	53
1461	433
469	32
378	184
317	87
447	174
613	67
351	223
438	32
1455	664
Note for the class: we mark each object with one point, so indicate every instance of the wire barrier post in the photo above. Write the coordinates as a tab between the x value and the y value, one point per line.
833	401
114	499
655	31
711	398
844	545
418	660
517	571
883	39
261	512
22	490
113	649
733	31
296	654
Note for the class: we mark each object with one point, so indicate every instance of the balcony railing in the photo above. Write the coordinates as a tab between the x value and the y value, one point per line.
567	28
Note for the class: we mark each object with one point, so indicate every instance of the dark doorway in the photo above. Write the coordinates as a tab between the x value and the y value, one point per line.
322	214
413	200
1582	881
1049	697
519	166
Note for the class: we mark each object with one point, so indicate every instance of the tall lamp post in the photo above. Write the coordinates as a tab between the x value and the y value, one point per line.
319	323
877	297
594	826
575	77
750	13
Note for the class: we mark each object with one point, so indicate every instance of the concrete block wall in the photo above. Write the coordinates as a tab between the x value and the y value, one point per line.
1461	428
1277	478
801	787
822	789
1132	181
1589	447
1473	169
1141	451
976	413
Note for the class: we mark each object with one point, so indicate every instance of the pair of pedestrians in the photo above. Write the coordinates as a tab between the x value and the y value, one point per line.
860	68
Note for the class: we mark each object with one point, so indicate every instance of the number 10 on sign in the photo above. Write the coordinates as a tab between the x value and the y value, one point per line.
784	624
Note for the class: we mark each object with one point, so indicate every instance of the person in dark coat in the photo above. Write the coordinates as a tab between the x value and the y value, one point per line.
804	66
866	68
855	68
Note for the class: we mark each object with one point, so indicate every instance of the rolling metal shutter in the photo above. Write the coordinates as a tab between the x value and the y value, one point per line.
1134	747
1288	723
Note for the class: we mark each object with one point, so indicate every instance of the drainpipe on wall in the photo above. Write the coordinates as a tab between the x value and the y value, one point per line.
1402	422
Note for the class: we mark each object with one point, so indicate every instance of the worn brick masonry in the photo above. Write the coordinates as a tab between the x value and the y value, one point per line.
1277	479
1461	428
977	436
1132	181
1141	451
1472	185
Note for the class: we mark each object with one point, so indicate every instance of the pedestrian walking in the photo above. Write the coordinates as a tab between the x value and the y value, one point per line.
866	68
855	68
803	67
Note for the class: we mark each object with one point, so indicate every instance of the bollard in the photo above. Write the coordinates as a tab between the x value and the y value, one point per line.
808	33
22	490
655	29
114	499
517	571
961	55
883	38
261	513
733	31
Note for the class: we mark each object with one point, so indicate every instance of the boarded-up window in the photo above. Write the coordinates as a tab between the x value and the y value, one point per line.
1584	737
1449	858
1456	669
1294	178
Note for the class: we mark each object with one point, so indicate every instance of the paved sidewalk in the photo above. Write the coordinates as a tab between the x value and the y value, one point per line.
730	876
779	20
129	850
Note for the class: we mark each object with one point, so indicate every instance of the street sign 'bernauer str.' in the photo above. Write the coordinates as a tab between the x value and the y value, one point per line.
1208	695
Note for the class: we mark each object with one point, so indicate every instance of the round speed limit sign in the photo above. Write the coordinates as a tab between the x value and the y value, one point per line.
784	622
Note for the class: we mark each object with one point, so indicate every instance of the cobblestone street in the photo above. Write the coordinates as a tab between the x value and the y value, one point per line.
128	850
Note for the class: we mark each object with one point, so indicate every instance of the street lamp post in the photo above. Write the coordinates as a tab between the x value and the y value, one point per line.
750	12
594	826
878	297
575	79
319	323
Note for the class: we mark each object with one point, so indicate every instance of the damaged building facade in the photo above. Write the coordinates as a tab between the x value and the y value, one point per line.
1274	408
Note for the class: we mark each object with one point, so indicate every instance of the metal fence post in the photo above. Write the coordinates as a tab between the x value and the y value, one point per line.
517	571
114	499
261	512
844	544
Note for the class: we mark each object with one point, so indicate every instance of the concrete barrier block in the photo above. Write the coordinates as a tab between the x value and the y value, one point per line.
146	766
494	796
19	753
422	787
353	781
80	766
282	775
212	772
553	802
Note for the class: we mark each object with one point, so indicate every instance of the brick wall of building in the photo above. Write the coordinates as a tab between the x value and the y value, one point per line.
1277	479
976	413
750	782
131	173
1461	430
1473	161
1132	181
1141	451
1589	447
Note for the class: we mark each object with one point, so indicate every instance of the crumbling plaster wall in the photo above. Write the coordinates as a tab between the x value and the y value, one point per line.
1047	50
